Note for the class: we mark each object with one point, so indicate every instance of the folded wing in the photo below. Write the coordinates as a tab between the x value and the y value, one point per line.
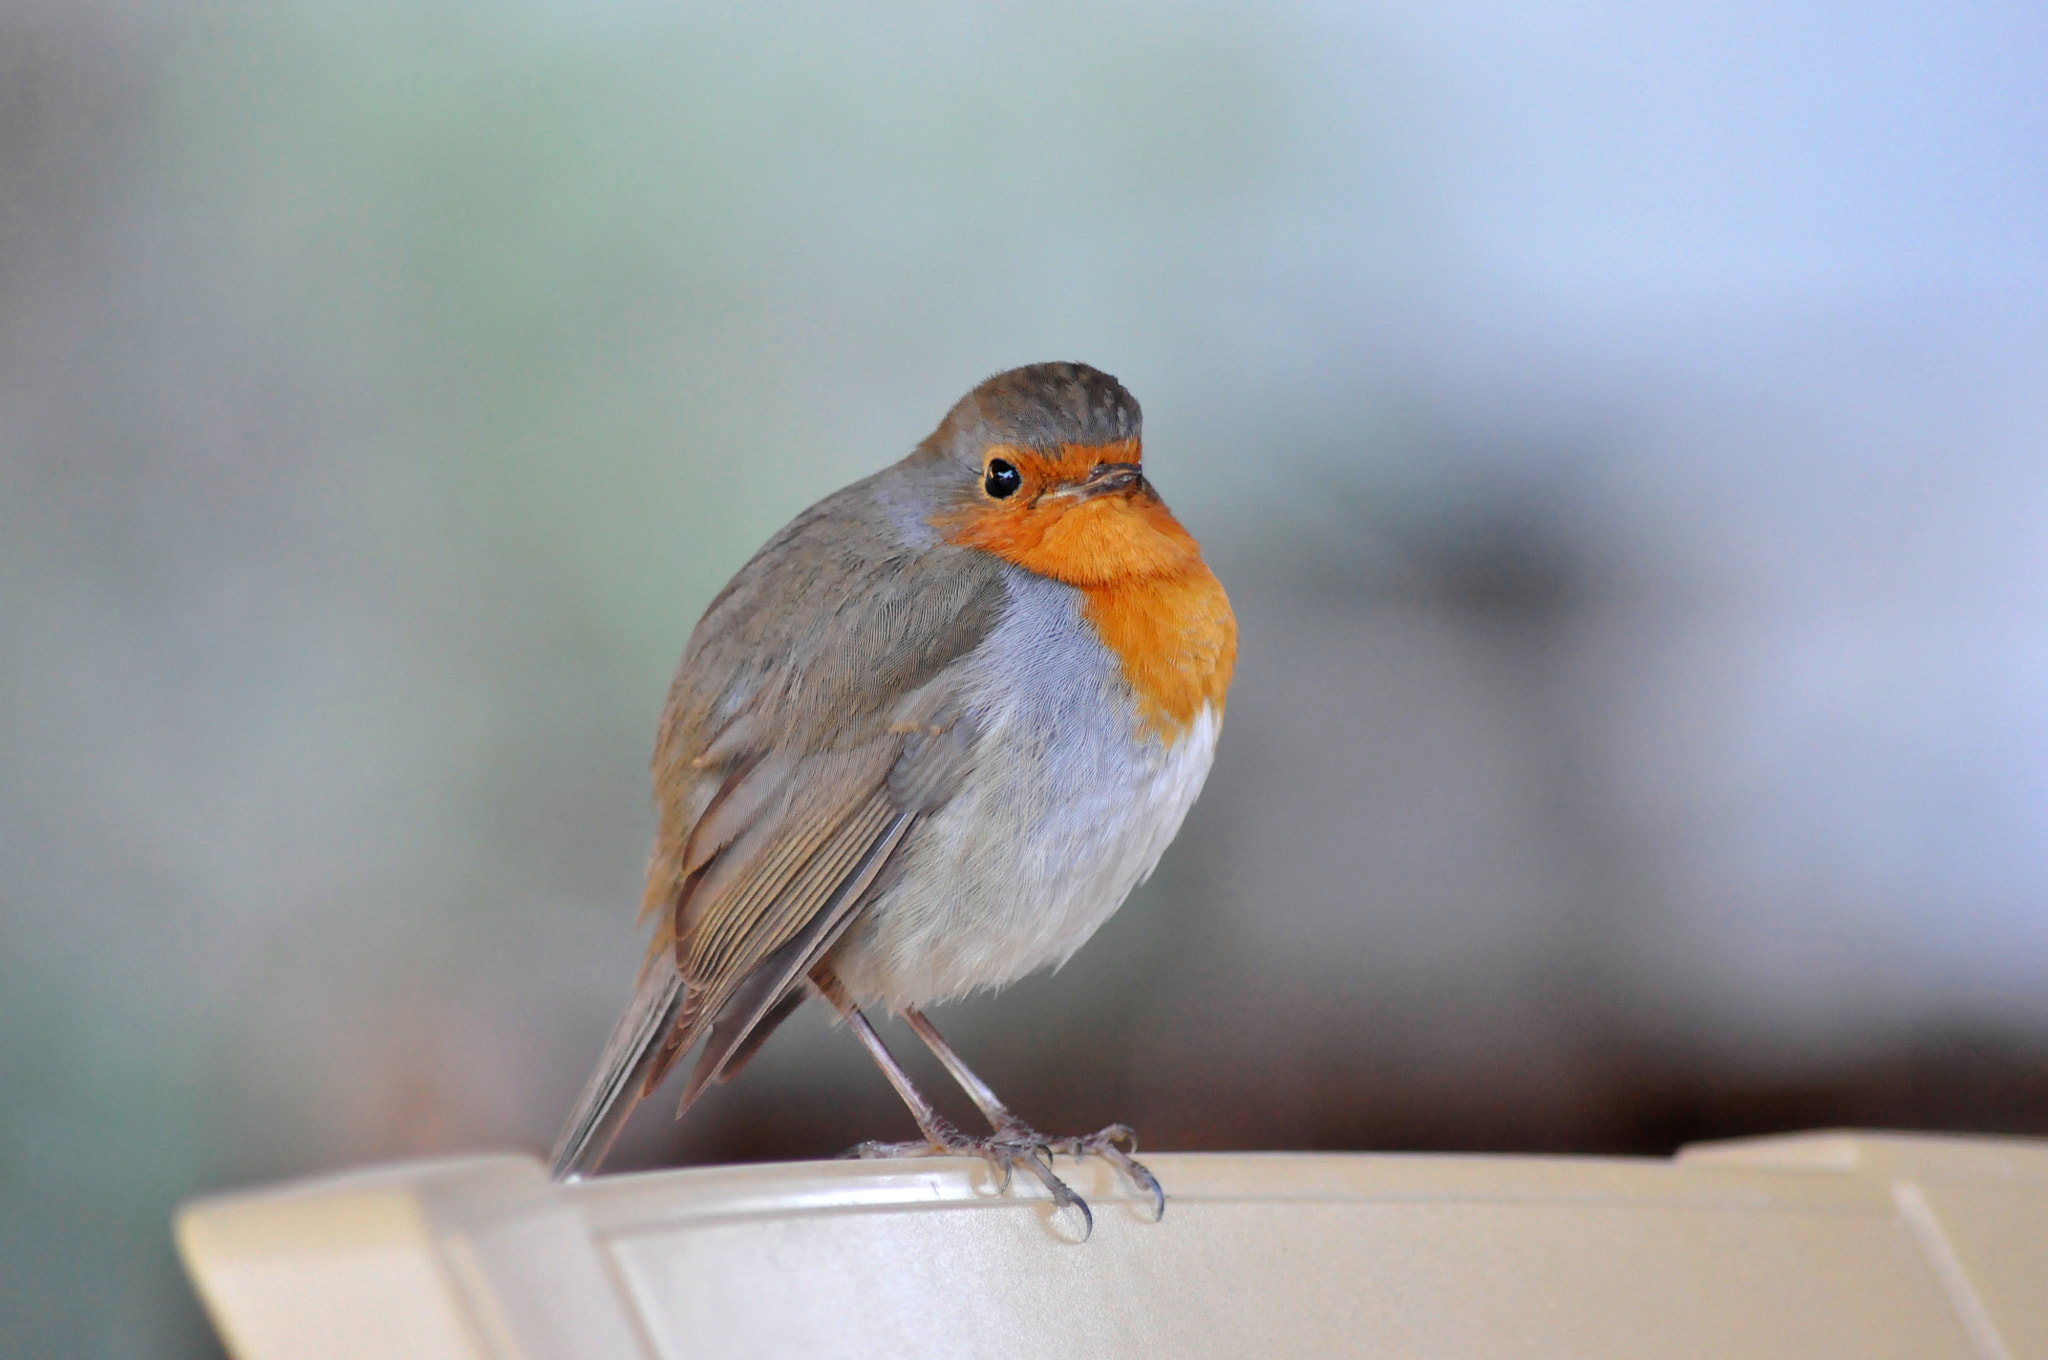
813	722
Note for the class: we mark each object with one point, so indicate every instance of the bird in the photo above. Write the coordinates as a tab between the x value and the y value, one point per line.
923	744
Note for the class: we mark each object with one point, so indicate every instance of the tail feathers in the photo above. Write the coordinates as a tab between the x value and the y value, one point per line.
641	1046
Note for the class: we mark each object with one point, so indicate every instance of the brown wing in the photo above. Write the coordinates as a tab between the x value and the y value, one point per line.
811	723
768	904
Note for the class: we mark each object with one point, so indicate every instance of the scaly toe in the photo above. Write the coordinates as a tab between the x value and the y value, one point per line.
1004	1154
1031	1154
1035	1158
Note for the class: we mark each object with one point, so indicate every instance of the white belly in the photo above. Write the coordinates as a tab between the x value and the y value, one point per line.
1069	805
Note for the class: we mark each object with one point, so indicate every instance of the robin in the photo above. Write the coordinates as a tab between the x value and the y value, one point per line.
925	743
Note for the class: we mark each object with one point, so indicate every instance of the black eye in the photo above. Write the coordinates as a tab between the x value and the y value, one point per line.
1003	478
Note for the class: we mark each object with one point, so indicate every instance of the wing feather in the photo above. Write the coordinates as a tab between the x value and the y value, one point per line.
760	905
764	993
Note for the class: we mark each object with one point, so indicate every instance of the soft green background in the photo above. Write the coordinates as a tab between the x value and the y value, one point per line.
1623	428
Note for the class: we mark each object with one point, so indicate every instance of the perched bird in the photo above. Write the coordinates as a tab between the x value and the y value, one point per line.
924	743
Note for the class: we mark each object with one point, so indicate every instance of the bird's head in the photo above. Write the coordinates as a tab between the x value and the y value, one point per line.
1045	471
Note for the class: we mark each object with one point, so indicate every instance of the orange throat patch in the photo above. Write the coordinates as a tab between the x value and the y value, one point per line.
1147	592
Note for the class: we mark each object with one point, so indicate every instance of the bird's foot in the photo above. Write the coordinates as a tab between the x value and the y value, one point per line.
1114	1145
1006	1152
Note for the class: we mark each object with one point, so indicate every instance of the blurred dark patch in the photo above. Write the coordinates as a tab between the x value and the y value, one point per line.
1960	1077
1955	1079
1501	557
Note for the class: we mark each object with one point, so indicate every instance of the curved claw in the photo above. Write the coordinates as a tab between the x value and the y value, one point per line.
1062	1194
1121	1136
1115	1145
1138	1175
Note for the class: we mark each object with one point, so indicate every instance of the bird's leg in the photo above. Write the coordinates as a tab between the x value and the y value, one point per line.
937	1130
941	1138
1114	1144
980	1092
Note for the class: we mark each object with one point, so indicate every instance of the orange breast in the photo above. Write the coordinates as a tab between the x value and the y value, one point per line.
1148	593
1176	639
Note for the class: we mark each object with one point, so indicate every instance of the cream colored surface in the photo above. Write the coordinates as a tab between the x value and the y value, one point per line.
1818	1246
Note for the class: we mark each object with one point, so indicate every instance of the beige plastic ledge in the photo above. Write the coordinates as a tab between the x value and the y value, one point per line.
1821	1245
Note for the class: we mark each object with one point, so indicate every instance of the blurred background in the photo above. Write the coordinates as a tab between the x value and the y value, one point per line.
1623	430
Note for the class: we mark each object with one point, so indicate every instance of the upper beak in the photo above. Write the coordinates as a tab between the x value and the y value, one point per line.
1103	479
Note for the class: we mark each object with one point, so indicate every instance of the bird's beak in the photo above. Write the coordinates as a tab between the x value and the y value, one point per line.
1104	479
